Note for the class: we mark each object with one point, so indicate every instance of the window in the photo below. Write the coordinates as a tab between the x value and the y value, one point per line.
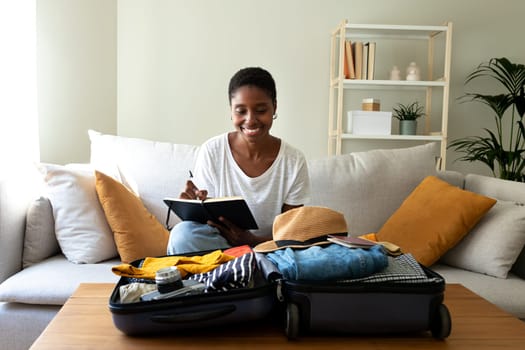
18	97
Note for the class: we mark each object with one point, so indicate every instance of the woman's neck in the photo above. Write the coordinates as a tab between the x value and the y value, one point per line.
254	158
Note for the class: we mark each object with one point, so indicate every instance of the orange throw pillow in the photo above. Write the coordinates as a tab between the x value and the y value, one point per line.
137	233
433	219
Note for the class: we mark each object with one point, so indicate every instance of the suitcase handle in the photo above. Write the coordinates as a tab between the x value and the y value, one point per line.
188	317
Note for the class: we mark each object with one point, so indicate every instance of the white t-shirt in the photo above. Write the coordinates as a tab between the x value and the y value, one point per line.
286	181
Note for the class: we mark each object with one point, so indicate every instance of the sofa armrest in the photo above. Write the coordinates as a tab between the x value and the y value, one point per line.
15	196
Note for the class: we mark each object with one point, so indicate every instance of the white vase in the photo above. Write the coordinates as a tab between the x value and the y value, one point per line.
412	72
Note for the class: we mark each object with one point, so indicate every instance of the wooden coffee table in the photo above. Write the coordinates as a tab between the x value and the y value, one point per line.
85	322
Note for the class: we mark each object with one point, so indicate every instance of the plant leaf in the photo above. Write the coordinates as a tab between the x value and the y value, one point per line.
498	103
510	75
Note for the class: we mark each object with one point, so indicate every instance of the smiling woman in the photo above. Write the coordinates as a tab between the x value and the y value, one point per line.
248	162
18	101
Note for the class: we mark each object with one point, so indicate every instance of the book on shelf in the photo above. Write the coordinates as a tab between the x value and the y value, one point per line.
371	60
357	48
235	209
346	68
349	59
351	242
364	65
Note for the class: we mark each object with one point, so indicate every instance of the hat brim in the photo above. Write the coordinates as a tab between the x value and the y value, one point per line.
271	246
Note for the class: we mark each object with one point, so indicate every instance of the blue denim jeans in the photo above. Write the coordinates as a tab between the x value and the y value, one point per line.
331	262
190	236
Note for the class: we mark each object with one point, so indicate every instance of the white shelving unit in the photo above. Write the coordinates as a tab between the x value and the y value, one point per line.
436	77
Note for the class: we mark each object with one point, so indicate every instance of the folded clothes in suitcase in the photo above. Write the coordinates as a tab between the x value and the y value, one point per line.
221	303
404	297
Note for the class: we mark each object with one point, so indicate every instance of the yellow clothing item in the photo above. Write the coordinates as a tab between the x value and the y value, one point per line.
185	264
369	236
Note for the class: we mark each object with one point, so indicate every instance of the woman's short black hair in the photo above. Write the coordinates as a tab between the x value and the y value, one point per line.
254	76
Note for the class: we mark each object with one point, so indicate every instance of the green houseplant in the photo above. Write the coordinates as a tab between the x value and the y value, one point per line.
502	149
407	114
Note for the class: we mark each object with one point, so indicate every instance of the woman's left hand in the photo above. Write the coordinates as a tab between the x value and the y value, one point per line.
233	234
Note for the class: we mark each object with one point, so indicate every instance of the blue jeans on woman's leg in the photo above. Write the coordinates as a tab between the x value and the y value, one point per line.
191	236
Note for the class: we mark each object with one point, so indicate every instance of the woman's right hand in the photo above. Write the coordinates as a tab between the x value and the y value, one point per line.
192	192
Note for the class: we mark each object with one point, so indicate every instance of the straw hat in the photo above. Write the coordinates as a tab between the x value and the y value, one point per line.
303	227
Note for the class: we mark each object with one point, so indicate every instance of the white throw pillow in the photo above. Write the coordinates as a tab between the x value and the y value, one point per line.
80	224
493	245
40	241
153	170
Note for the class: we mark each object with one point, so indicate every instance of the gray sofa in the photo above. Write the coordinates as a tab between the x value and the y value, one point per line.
367	187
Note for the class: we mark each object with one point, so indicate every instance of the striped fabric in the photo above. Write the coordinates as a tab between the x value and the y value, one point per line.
236	273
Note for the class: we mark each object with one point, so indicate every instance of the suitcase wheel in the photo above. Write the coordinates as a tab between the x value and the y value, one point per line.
292	321
441	324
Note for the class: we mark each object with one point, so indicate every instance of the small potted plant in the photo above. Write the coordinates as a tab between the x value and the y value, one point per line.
407	116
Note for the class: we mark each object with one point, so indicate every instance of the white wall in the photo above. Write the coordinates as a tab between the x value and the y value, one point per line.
77	80
175	59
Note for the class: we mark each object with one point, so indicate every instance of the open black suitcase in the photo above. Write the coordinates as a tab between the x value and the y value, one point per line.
366	308
306	306
199	311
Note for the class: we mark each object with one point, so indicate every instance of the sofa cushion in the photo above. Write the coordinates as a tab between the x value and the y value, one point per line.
153	170
452	177
433	219
493	245
367	187
500	189
80	225
505	293
137	233
52	281
40	241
